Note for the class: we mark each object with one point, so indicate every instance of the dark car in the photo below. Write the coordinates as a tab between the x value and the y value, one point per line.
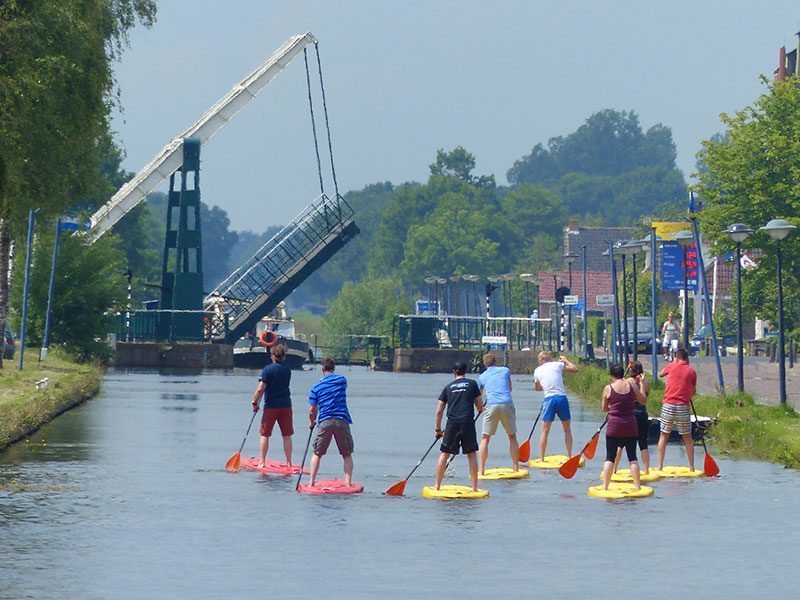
644	333
8	346
703	336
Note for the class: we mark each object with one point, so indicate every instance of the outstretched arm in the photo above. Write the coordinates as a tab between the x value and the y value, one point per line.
439	413
569	367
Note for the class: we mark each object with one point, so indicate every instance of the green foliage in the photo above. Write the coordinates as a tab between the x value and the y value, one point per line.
459	163
89	286
308	324
751	177
366	308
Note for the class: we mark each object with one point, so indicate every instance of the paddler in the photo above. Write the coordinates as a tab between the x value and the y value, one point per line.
549	378
678	393
328	407
461	396
495	384
273	385
619	401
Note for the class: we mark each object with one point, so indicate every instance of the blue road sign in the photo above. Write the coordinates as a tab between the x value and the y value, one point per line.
672	266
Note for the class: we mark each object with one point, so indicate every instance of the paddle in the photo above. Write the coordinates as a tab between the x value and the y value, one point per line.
570	467
525	447
710	467
235	461
303	464
398	488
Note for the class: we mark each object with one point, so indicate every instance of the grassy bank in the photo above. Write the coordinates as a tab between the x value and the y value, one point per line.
24	408
744	429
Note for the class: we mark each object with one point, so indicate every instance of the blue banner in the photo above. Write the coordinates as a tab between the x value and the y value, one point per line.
672	266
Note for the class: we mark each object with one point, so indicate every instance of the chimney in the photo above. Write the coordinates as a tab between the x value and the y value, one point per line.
781	72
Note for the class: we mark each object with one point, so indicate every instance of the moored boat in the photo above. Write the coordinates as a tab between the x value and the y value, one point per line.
253	350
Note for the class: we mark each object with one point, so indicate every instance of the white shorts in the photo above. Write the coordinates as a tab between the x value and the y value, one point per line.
500	413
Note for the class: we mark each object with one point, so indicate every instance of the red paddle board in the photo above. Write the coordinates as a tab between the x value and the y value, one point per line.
331	486
270	466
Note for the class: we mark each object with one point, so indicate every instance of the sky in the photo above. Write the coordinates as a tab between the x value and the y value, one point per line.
404	79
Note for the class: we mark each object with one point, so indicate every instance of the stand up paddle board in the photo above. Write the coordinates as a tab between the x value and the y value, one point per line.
553	461
620	490
331	486
270	466
677	472
453	492
504	473
624	476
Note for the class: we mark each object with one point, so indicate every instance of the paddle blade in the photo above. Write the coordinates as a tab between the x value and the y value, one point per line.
591	447
525	451
710	467
570	467
397	489
234	462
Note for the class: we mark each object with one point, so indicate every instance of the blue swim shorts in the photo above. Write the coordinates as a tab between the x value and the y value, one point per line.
555	405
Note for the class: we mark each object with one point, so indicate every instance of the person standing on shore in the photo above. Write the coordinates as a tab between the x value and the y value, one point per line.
460	396
273	385
619	398
328	407
548	378
678	394
495	384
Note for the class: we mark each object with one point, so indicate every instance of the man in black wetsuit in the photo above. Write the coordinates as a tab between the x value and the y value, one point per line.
461	396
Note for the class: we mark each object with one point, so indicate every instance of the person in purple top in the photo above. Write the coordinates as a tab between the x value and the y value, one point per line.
328	408
619	398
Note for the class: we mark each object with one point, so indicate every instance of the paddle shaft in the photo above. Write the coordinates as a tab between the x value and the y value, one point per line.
305	454
530	435
424	456
697	423
244	439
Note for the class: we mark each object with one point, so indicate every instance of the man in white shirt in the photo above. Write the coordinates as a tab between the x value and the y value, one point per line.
548	378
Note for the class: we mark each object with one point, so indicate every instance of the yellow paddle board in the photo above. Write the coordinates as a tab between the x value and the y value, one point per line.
504	473
624	476
677	472
620	490
553	461
453	491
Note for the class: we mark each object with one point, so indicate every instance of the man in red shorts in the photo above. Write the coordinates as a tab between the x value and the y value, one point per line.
680	388
273	385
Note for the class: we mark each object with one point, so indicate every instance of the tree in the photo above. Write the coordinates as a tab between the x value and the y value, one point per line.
459	163
752	177
366	308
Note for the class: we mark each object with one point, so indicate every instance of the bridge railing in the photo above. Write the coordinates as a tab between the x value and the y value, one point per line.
141	325
274	261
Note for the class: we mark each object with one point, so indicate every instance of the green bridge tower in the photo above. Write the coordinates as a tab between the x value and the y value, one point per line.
182	267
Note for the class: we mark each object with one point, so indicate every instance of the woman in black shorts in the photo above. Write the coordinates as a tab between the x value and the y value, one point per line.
642	418
619	398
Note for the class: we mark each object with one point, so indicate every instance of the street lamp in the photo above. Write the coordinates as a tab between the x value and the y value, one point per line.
528	278
685	239
430	281
508	278
778	229
441	281
570	258
490	287
649	243
739	232
453	296
622	249
472	279
585	304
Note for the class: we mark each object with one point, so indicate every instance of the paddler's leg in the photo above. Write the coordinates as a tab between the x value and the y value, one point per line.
567	436
314	469
440	467
473	471
348	469
646	461
617	459
287	449
662	448
630	448
263	448
635	474
689	443
608	466
483	451
546	425
513	450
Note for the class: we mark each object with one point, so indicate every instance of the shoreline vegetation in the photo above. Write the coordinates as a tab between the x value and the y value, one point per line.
26	406
743	429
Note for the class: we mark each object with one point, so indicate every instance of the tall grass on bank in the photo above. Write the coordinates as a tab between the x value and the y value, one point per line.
24	408
743	429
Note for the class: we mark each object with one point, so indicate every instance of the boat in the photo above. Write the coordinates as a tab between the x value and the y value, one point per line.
251	351
699	429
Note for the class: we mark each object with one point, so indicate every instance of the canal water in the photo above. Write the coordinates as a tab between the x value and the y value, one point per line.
126	497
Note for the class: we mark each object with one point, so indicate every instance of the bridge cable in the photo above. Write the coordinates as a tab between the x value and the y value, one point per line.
327	124
313	124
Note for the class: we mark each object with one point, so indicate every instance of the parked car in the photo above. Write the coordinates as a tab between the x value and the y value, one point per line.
644	334
704	333
8	345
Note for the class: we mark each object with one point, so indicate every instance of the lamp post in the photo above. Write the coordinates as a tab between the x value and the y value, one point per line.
739	232
649	242
623	250
778	229
528	278
685	239
454	279
507	278
585	305
493	280
471	279
430	281
570	258
441	281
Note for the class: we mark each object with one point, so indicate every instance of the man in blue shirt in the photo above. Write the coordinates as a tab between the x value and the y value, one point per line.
495	384
328	407
273	385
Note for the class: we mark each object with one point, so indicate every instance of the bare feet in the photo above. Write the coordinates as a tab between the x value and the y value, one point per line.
261	464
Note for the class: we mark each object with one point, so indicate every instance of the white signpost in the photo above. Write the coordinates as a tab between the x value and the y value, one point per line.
571	300
605	299
496	340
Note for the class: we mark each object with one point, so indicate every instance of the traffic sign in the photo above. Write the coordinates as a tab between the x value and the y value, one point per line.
571	300
605	299
494	339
